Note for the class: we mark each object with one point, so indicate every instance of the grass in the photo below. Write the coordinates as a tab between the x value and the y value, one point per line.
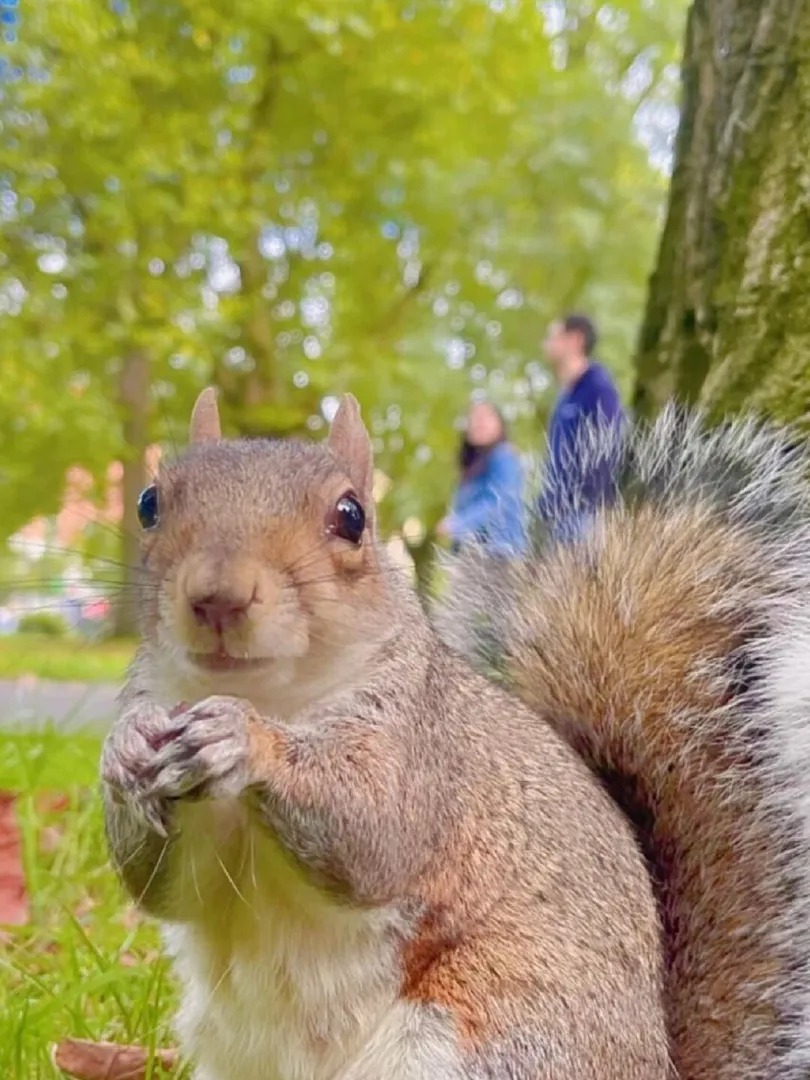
65	659
86	966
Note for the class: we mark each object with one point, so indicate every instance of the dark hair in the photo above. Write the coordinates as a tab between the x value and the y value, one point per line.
581	324
470	456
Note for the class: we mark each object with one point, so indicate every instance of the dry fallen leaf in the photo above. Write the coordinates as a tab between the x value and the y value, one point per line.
130	918
50	837
13	898
84	906
52	802
85	1060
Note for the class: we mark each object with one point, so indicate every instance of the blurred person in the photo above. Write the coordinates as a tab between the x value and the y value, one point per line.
575	484
488	504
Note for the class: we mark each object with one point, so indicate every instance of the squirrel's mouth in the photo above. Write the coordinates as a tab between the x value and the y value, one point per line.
223	661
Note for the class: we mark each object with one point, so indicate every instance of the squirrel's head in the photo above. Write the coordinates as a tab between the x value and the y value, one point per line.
262	577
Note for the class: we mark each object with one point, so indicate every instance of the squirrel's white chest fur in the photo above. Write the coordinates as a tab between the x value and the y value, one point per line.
279	981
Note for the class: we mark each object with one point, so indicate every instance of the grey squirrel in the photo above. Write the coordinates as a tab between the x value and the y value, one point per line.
371	862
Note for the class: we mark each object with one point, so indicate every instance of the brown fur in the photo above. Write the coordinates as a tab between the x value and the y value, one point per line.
660	645
405	784
626	725
361	784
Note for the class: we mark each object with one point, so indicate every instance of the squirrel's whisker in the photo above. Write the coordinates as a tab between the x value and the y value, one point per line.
593	849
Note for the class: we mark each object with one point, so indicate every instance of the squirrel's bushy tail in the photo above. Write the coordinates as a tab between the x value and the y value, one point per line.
671	647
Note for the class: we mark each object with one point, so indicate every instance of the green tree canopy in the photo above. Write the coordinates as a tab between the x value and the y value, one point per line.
296	198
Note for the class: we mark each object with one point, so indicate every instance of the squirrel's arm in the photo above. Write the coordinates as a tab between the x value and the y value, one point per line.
140	848
339	792
140	855
341	798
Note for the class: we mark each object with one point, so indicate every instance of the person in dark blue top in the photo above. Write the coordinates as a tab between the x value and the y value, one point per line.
488	504
577	482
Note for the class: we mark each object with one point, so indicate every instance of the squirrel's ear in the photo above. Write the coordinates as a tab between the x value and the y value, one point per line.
349	441
205	426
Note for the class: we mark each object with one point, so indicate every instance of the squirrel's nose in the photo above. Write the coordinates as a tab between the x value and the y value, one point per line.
220	609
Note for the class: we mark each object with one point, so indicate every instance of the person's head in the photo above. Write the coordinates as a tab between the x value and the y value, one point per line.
485	426
569	345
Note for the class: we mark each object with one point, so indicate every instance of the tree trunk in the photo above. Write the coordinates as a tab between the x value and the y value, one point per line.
134	386
728	313
423	555
259	403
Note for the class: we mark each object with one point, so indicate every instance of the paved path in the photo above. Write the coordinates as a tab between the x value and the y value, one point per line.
34	703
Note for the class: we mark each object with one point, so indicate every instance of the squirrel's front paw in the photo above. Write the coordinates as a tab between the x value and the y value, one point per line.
205	752
127	760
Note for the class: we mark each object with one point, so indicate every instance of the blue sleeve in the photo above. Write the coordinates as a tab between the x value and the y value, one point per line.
596	480
559	482
573	485
496	509
474	515
604	403
509	532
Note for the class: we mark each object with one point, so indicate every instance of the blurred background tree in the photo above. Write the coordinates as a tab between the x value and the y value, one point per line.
727	322
295	198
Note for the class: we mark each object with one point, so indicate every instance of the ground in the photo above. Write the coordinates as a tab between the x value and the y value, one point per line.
64	659
86	966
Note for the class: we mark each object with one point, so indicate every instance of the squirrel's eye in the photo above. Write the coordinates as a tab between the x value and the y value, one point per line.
349	519
148	507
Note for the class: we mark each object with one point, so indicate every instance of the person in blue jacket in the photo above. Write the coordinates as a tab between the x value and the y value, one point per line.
488	504
576	484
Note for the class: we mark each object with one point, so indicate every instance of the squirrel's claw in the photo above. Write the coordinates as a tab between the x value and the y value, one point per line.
153	818
203	753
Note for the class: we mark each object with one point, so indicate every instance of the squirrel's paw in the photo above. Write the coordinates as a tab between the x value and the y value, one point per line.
205	752
127	759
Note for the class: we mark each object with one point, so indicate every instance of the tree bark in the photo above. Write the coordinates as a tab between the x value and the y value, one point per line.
134	387
423	555
262	402
728	314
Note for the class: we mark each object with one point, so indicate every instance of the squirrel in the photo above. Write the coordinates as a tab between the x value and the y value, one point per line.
373	861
